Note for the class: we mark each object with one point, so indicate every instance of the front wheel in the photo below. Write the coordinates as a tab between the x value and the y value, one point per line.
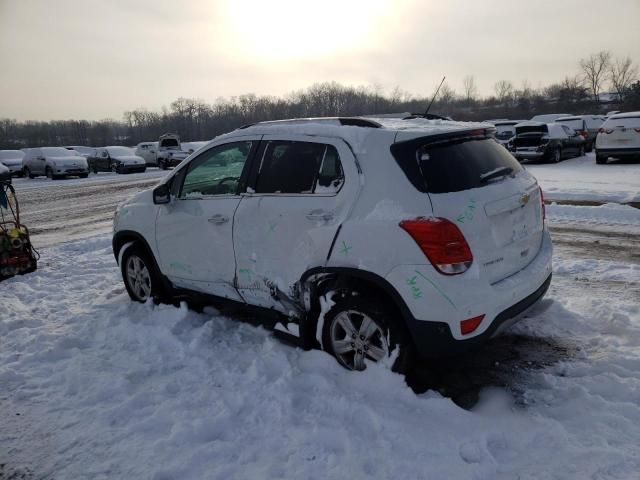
581	151
162	164
557	155
27	173
139	274
358	330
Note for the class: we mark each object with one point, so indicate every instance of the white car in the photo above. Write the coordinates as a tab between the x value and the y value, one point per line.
549	117
12	159
191	147
81	149
148	151
367	235
619	137
505	130
54	162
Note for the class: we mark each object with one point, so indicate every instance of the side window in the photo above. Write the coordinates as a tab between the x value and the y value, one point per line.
568	131
216	171
299	167
331	176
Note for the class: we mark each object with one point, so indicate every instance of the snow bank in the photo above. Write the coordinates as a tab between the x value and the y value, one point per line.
608	214
108	389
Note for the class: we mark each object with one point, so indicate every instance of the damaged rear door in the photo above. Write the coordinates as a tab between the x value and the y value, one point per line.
302	188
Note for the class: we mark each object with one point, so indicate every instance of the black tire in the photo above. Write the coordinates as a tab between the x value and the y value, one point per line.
600	159
27	173
49	173
581	151
162	164
356	343
143	286
83	175
556	156
95	169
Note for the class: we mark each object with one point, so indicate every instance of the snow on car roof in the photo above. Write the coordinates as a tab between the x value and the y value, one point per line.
625	115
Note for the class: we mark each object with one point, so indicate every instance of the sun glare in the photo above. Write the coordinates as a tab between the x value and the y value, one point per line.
290	29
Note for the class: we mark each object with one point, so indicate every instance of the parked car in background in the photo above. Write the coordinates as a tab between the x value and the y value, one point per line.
348	249
169	152
505	130
619	137
81	149
549	117
12	159
148	151
546	142
116	159
5	174
191	147
585	125
54	162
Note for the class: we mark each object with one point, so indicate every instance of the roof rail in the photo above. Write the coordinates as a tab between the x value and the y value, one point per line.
345	121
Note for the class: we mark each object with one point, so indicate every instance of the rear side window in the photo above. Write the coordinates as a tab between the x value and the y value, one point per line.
452	167
299	167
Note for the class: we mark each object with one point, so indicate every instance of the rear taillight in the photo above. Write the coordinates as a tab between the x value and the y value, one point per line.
544	212
583	133
605	130
442	242
470	325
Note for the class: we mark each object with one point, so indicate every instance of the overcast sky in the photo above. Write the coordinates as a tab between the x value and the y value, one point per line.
94	59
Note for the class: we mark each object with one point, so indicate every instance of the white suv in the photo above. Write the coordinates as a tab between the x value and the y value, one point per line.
619	137
367	235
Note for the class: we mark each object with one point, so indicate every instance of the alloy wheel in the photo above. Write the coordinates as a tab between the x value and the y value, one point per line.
138	277
355	337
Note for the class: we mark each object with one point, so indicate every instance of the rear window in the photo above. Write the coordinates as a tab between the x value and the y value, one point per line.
628	122
169	142
454	166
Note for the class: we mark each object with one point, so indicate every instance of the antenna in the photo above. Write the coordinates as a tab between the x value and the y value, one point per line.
434	96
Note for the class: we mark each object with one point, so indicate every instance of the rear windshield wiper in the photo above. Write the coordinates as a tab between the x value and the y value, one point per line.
498	172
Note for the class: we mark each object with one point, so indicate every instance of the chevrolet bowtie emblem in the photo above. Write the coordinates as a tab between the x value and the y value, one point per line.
524	199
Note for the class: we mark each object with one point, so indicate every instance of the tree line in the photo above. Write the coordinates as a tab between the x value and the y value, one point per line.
194	119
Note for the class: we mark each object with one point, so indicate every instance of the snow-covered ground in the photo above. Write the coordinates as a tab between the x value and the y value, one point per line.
94	386
580	179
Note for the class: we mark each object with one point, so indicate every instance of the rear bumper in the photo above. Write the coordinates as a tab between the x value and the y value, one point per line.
527	155
434	339
71	171
436	305
618	152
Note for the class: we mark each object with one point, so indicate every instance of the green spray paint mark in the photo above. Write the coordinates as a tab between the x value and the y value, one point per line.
345	248
438	290
180	267
272	227
247	272
468	213
415	290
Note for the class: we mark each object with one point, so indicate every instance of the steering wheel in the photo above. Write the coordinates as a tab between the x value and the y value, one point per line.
221	188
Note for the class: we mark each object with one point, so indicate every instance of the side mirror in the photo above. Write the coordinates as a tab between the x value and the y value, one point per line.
161	194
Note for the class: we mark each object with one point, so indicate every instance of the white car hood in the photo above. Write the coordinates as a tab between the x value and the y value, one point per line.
11	162
129	160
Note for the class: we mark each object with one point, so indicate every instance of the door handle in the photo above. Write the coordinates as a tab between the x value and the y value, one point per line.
218	219
317	215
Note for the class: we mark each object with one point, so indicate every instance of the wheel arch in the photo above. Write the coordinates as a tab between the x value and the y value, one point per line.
318	281
122	237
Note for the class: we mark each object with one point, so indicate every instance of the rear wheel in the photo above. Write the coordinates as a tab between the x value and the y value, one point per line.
557	155
162	164
141	278
357	330
27	173
600	159
581	151
83	175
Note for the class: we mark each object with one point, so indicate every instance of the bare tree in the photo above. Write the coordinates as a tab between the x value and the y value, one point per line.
594	68
470	89
622	74
504	91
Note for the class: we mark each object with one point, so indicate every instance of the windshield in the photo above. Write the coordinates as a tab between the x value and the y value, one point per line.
56	152
505	132
120	151
11	154
170	143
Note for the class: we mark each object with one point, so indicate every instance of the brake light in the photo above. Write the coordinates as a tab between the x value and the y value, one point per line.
544	212
468	326
583	133
442	242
